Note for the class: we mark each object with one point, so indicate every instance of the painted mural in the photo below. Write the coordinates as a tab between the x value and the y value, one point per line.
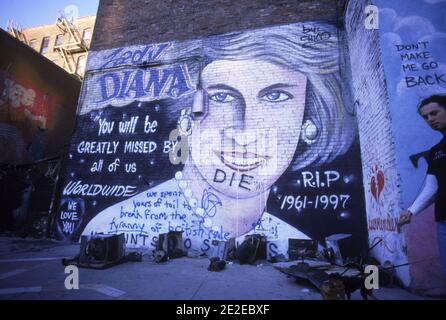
24	117
413	42
380	172
248	132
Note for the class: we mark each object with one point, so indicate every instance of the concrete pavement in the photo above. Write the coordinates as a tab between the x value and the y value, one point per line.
32	269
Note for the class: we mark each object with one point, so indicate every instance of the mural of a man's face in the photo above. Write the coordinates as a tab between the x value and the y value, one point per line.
250	132
435	116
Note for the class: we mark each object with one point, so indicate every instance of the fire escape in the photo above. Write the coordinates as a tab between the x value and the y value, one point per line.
74	45
17	32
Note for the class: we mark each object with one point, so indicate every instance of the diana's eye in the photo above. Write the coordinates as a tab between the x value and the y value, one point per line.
276	96
222	97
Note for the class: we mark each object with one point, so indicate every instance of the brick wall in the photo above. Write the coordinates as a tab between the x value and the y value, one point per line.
381	182
264	93
123	23
50	100
411	40
38	103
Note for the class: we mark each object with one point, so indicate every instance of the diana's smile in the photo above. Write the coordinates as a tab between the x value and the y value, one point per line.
241	161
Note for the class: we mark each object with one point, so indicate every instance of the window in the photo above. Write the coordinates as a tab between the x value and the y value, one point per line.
45	43
59	40
33	44
87	35
81	62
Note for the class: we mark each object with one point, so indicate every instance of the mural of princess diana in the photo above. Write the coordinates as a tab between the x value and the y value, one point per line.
267	100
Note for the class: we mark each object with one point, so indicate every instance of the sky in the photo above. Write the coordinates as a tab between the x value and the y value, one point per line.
29	13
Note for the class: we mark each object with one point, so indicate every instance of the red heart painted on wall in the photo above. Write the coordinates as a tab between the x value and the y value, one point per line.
377	183
380	182
373	188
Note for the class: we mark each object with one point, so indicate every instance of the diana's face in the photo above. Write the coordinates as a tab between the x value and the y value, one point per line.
251	129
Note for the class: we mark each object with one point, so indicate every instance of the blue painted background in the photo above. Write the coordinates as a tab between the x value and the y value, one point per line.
411	23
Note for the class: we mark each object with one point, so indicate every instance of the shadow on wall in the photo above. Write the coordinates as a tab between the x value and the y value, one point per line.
427	276
25	195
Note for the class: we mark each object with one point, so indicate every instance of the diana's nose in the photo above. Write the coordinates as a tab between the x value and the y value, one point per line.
242	137
245	123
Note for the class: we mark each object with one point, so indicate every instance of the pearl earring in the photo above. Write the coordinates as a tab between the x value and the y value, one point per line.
309	132
185	123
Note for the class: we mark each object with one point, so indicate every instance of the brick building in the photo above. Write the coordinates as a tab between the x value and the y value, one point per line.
37	115
66	42
224	118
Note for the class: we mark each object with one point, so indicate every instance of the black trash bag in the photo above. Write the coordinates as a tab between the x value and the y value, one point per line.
160	256
246	252
216	264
